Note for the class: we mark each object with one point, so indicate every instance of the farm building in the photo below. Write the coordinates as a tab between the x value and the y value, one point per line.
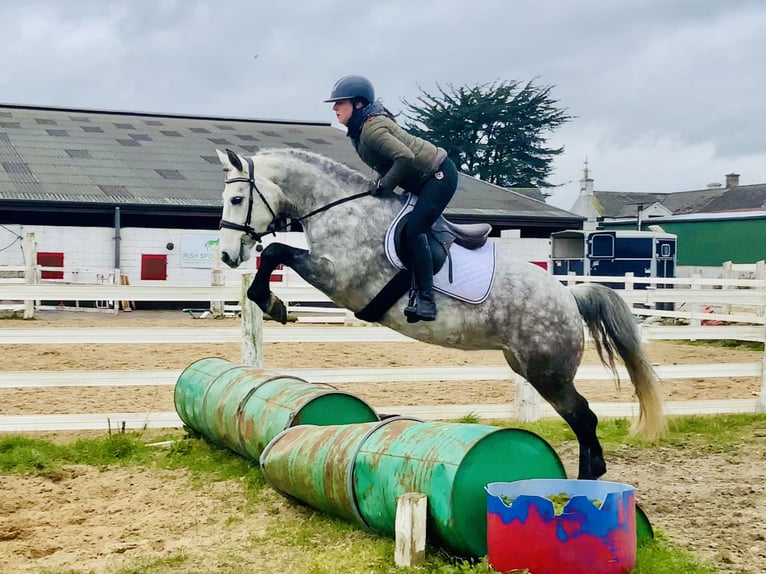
707	240
140	192
722	222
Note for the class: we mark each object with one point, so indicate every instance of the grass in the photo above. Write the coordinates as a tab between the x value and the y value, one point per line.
23	455
661	557
298	539
708	433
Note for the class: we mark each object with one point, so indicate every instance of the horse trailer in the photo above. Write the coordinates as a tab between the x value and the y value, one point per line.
613	253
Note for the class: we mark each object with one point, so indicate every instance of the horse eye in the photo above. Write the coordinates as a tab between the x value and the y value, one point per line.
236	200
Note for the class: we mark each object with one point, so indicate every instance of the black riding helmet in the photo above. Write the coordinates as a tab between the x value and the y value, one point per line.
350	87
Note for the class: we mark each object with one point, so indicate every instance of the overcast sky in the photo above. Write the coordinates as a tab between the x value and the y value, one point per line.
668	94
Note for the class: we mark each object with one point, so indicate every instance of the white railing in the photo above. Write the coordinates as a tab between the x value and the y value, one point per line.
747	297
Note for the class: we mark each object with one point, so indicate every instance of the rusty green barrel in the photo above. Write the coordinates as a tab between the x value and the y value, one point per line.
315	464
192	385
278	405
357	472
450	463
243	408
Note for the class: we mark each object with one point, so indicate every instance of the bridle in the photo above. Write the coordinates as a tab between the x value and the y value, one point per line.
248	229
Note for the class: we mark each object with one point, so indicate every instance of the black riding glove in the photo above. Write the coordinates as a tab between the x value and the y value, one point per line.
374	187
395	174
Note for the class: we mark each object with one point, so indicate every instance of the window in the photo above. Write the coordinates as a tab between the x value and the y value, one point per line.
51	259
634	248
154	267
602	245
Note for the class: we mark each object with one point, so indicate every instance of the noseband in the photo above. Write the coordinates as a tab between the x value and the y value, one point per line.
245	227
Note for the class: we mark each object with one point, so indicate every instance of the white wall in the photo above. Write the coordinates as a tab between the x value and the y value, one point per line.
537	250
89	253
87	250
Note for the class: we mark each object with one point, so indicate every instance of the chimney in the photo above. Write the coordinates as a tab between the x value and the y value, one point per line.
586	183
732	180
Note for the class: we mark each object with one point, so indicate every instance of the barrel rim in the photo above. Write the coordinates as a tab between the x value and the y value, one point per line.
272	442
271	376
241	407
188	367
575	486
350	482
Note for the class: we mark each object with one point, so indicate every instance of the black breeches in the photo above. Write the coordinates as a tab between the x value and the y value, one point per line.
432	199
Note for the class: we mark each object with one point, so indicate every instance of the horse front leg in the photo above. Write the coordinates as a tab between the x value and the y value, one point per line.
259	292
280	254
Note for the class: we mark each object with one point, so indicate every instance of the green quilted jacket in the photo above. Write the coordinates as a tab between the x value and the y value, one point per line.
382	141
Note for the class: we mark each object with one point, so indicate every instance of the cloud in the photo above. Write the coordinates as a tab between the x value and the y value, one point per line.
667	95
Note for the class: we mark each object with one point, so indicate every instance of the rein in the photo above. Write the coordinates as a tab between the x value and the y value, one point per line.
248	229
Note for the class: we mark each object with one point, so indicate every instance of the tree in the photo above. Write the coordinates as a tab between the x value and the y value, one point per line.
493	131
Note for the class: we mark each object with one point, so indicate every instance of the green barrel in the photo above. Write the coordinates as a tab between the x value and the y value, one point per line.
315	464
644	530
450	463
192	384
243	408
278	405
210	393
226	397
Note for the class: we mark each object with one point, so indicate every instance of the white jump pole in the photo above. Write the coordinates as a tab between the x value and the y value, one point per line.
252	327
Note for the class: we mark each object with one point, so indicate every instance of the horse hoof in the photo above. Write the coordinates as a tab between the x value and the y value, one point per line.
277	310
593	473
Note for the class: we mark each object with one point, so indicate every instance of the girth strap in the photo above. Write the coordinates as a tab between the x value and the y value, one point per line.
384	300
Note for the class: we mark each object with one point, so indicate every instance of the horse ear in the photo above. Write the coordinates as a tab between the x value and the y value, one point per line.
223	158
234	159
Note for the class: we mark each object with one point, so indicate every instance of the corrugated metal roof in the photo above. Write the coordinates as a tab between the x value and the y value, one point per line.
113	157
624	204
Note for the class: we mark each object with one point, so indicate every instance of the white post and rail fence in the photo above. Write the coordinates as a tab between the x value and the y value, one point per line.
739	315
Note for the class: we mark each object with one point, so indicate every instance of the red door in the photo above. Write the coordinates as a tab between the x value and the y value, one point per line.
154	267
51	259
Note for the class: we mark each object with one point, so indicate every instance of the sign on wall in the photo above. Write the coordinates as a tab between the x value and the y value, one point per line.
199	250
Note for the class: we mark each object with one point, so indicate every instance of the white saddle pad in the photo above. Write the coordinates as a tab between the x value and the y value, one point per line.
472	269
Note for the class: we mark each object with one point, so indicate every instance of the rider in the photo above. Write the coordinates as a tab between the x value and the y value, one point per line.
404	160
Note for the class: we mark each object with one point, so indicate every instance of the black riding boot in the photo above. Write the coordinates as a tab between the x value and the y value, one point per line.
422	306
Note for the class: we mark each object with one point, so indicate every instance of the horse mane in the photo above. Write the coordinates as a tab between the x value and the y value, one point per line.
330	167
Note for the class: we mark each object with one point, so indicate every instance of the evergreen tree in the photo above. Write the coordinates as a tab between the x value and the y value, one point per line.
494	131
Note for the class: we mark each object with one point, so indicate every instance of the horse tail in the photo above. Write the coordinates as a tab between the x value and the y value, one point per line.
612	327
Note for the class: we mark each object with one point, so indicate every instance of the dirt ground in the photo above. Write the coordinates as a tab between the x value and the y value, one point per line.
713	503
307	355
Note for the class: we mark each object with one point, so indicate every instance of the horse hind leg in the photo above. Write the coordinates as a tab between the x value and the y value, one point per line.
559	390
583	422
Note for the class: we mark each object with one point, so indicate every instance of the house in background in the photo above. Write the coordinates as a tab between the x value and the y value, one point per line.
715	224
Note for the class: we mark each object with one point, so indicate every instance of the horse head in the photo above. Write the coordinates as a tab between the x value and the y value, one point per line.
250	202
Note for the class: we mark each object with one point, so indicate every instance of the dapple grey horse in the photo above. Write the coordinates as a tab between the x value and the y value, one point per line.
528	315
